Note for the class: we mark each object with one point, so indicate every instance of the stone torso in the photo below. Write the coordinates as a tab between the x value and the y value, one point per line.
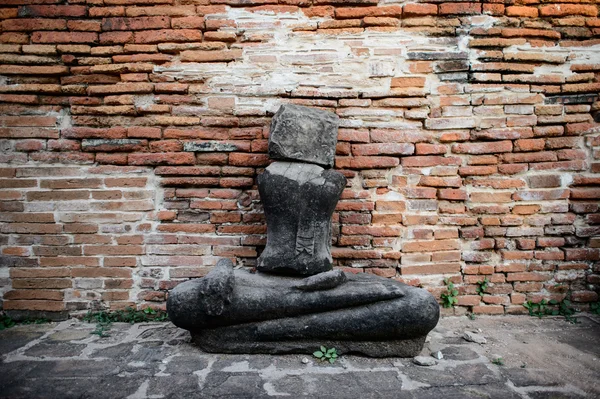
299	200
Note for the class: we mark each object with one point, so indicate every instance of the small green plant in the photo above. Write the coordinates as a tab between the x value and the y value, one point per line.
552	308
41	320
104	319
471	316
449	297
327	355
595	307
498	361
536	309
482	286
102	330
6	322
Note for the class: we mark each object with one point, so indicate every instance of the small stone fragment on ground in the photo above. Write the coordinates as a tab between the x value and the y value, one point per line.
424	361
438	355
474	337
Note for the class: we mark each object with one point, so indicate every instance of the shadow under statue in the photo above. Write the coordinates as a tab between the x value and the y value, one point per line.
295	302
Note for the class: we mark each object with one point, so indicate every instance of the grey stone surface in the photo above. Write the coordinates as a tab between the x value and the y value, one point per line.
322	281
152	368
208	146
424	361
298	200
112	144
459	353
463	374
20	335
55	349
233	341
474	337
269	314
303	134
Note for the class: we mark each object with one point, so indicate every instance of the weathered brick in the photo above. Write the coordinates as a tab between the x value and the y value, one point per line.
64	37
562	10
52	11
137	23
210	56
522	11
482	148
460	8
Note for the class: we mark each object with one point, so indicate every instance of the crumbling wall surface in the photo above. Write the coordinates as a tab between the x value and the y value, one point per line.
132	132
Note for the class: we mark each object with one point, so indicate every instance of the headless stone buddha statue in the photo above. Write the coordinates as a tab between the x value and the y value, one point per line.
296	302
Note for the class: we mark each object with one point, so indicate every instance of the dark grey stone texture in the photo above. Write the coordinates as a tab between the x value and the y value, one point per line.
298	200
322	281
208	146
139	362
303	134
235	311
270	314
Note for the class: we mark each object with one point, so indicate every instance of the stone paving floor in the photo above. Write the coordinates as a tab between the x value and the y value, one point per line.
547	358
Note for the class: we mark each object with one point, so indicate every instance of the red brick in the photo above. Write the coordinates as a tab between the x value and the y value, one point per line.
460	8
489	309
162	10
26	24
564	10
42	305
52	11
437	245
522	11
361	12
408	81
64	37
584	296
482	148
168	35
174	158
439	268
139	23
210	56
417	10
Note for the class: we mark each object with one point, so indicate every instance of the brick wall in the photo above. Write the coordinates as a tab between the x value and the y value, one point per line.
132	132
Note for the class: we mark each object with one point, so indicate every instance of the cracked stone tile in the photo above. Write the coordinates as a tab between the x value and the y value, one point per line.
72	368
464	374
554	395
459	353
80	388
16	337
233	385
149	352
167	333
491	391
12	374
580	339
55	349
174	386
523	377
116	352
69	335
185	365
378	384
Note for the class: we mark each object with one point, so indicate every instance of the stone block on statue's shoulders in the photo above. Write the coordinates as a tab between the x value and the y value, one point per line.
303	134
